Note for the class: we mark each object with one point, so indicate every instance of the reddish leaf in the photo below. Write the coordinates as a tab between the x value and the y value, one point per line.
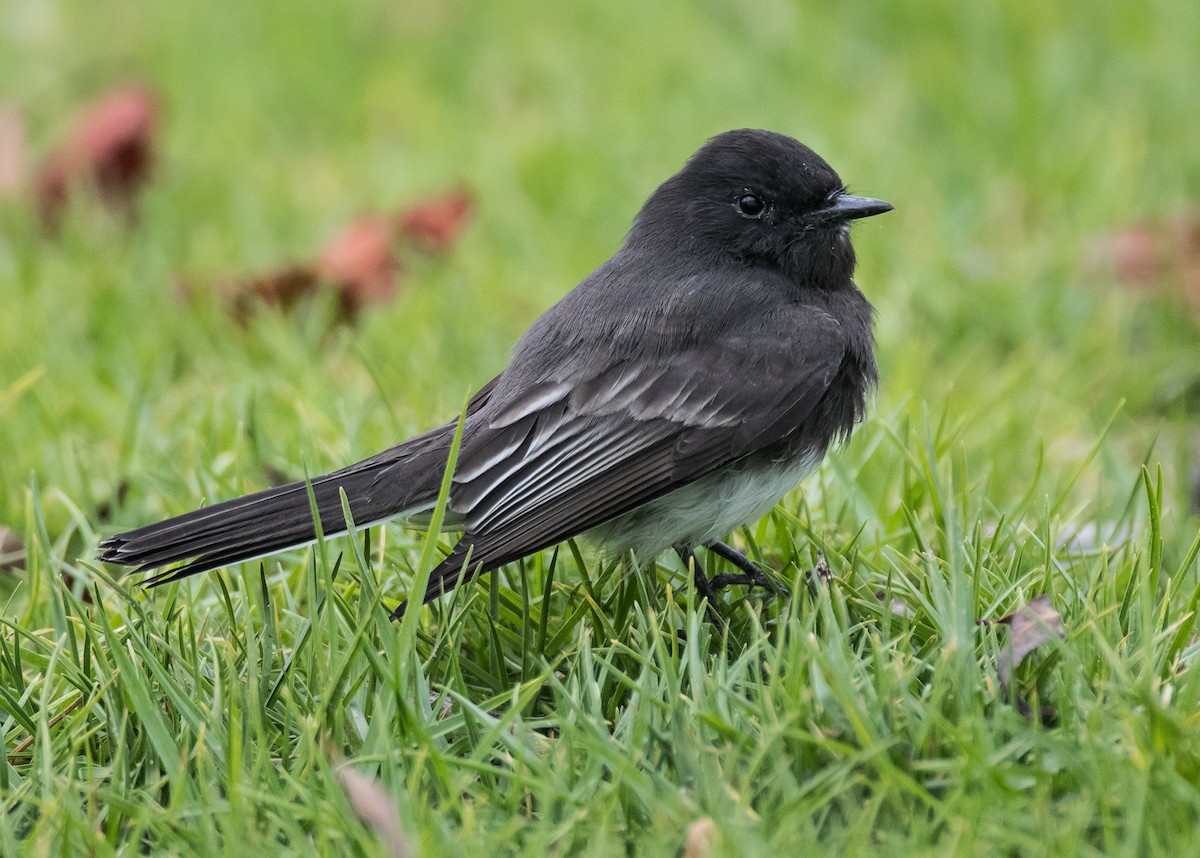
435	223
358	262
361	263
282	288
111	149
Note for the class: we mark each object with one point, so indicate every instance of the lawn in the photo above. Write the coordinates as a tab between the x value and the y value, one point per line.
1035	434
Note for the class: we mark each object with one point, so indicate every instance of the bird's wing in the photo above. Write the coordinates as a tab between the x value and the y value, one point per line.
566	456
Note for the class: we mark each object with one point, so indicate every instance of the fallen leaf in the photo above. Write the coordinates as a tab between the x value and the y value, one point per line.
361	262
434	224
13	165
376	808
12	551
282	288
358	262
111	150
1028	628
700	837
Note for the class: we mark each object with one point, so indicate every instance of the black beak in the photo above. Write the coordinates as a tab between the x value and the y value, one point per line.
848	207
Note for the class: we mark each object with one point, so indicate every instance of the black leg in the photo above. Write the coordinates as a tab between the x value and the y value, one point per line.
753	575
703	588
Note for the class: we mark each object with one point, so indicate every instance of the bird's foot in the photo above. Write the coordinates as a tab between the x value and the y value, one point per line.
751	574
703	587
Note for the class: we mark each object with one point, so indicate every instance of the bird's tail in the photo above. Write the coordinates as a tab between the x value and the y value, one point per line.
276	519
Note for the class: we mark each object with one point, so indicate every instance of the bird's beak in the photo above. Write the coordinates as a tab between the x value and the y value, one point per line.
848	207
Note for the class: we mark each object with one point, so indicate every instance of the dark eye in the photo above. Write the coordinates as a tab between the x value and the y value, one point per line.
751	205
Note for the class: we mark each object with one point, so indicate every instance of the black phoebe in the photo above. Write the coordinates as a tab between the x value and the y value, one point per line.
676	393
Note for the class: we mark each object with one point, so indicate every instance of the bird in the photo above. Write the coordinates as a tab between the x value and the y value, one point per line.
679	391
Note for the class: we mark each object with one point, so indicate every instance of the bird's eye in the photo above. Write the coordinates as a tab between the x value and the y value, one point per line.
751	205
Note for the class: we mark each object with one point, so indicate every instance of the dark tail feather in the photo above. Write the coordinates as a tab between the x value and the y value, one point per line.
272	520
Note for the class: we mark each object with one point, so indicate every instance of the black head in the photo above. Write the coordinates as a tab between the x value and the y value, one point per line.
758	198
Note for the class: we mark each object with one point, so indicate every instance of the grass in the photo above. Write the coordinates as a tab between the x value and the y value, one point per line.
1033	435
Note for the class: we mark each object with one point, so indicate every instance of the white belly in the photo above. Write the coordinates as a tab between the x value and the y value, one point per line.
700	512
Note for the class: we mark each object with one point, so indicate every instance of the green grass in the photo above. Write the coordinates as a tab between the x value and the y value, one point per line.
553	707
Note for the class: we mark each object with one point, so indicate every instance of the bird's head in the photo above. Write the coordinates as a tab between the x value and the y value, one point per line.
761	199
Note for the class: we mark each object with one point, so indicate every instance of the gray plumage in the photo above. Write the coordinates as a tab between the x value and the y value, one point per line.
678	391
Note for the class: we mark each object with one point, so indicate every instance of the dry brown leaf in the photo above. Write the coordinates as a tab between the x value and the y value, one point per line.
111	149
281	288
376	808
1028	628
358	262
361	262
435	224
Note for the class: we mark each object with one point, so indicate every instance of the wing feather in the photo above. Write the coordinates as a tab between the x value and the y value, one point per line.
632	433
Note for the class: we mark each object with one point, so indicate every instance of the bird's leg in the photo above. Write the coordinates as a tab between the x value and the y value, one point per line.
703	588
752	574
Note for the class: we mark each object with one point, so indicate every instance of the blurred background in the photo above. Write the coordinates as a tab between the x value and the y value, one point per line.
244	242
1039	274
